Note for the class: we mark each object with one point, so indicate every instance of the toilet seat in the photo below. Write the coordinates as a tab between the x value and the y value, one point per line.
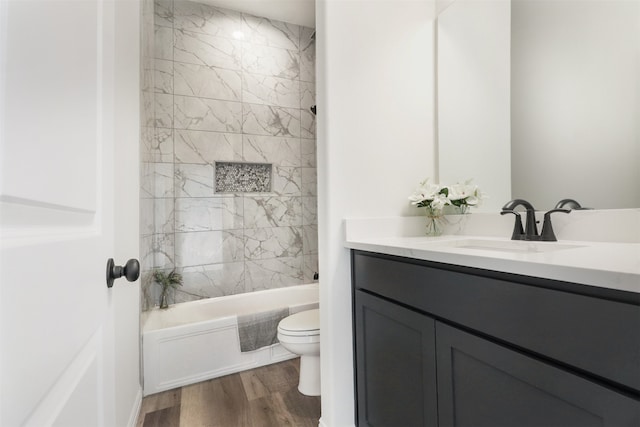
302	324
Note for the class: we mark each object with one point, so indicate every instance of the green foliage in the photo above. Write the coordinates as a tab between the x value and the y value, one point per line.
169	280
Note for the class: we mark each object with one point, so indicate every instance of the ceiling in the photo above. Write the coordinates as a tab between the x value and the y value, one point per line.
300	12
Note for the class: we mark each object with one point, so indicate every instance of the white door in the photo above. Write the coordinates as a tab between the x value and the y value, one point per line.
59	85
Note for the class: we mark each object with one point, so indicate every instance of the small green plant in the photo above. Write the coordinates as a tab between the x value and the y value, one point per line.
167	281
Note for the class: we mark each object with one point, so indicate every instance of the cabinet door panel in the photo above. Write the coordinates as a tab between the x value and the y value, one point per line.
395	365
481	383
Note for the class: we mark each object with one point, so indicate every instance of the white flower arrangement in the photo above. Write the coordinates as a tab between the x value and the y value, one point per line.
435	197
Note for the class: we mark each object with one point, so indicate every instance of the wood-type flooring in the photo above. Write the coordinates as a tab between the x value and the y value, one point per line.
263	397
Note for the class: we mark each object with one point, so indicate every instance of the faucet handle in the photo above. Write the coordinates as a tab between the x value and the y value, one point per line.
573	204
518	231
547	234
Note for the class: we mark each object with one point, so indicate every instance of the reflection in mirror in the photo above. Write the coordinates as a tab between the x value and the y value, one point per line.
540	99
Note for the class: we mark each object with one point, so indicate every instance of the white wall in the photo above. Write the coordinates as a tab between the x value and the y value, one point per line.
375	143
576	102
474	97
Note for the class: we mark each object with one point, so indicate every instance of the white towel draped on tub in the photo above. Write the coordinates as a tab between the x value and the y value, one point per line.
257	330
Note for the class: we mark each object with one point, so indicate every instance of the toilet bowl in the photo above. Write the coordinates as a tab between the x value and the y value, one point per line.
300	334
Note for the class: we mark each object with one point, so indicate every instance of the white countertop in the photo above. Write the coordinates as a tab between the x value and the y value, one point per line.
602	264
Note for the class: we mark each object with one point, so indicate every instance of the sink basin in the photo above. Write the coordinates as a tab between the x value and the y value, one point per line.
512	246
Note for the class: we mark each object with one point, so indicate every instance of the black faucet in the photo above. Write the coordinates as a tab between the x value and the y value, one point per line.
570	204
547	234
531	230
518	232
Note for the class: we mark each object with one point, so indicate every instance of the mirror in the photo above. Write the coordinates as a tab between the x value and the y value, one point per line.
540	100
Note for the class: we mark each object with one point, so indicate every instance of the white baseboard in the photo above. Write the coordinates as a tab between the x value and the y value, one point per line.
135	410
321	423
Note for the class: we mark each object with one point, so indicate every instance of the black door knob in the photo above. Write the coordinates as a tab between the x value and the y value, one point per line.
131	271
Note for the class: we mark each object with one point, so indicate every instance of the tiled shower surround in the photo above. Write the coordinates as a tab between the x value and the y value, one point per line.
229	87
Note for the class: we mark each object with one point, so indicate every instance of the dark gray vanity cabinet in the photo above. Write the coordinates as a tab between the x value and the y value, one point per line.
445	345
397	379
483	384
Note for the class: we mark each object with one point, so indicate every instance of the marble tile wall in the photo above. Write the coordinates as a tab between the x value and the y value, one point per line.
229	87
150	150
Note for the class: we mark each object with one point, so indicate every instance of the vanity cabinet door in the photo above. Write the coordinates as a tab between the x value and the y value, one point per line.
481	383
395	365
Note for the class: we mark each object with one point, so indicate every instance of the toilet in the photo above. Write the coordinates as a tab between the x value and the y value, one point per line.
300	334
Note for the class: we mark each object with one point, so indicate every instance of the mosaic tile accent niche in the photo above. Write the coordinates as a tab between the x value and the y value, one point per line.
242	177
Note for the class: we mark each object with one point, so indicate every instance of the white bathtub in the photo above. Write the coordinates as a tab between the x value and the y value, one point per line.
197	341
